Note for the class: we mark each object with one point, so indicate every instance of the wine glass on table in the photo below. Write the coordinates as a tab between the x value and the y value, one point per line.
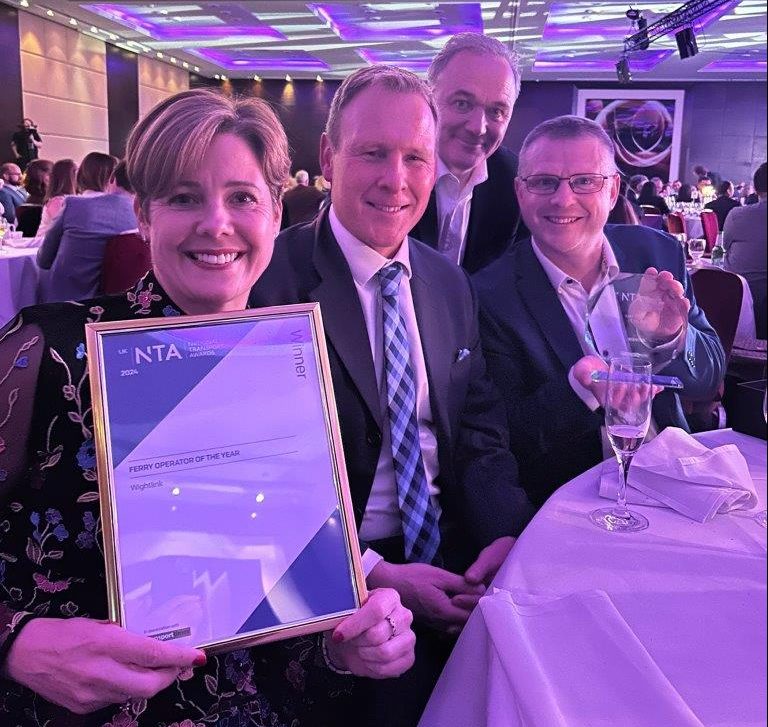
3	231
696	248
627	416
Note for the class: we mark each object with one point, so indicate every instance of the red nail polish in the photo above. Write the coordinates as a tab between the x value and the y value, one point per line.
200	659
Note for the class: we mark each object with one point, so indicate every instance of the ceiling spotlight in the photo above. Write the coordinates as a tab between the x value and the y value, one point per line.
257	78
196	69
622	70
185	65
159	54
94	29
49	13
319	78
632	14
24	3
173	60
288	79
72	21
687	46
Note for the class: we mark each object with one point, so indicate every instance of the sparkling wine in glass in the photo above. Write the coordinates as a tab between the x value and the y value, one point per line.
627	416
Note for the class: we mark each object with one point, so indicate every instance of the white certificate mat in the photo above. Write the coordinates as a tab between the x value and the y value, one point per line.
224	497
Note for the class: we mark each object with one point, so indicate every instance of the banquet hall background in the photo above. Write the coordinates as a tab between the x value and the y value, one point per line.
85	85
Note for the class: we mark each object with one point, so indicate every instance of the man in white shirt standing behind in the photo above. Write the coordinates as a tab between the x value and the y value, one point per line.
473	215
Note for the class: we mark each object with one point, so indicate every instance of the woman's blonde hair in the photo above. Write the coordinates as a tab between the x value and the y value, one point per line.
175	135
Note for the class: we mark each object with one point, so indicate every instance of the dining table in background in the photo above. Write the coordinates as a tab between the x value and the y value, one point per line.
19	279
584	627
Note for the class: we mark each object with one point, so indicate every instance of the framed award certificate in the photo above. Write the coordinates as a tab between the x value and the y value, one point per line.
225	506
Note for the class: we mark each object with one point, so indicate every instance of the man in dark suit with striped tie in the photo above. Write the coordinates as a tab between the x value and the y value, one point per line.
434	486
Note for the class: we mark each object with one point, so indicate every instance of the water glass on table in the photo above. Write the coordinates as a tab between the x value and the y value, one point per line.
4	229
627	417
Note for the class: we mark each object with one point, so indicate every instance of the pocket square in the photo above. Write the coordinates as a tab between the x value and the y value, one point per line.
461	354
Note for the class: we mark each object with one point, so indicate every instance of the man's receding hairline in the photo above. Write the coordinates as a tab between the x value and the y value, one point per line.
525	152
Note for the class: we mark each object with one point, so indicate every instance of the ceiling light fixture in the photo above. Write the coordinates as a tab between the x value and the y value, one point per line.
288	79
24	3
72	21
257	78
49	13
319	78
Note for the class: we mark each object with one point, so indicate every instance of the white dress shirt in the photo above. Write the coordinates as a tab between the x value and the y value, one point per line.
382	513
453	207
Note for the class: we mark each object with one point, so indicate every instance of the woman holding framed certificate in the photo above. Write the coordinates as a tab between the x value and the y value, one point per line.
208	173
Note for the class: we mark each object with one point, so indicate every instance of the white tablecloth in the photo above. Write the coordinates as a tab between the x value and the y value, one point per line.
662	628
19	277
693	226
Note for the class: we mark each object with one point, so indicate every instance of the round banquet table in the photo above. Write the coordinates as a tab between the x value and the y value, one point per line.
19	277
585	628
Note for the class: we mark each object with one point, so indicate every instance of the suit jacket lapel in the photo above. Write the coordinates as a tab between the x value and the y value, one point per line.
428	229
433	321
545	307
342	316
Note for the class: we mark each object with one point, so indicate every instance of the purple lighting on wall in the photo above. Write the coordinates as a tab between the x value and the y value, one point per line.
257	59
367	22
187	22
558	61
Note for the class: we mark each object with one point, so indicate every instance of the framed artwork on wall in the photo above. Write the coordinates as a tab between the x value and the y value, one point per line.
645	125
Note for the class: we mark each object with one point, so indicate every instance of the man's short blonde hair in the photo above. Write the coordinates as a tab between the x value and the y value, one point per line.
175	135
390	78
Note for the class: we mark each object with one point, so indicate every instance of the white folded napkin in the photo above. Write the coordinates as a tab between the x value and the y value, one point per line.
674	470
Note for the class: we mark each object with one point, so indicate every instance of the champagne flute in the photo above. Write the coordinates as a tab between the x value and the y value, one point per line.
627	416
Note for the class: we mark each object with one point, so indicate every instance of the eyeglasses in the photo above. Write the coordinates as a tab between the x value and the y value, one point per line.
579	183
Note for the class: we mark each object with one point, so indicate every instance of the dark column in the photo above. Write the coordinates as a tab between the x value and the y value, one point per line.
122	96
11	106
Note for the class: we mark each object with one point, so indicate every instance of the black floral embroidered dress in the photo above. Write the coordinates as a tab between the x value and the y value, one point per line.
51	556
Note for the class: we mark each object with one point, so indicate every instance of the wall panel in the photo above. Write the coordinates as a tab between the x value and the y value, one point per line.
158	81
64	87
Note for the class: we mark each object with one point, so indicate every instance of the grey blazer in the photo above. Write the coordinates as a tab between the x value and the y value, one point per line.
73	248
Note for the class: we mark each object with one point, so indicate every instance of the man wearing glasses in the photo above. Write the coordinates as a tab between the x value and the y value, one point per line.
534	303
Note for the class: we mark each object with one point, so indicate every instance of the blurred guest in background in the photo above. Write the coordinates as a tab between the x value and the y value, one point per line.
534	304
63	182
706	176
745	238
685	193
25	143
623	213
95	173
36	180
650	197
73	248
723	204
12	194
301	203
635	186
473	215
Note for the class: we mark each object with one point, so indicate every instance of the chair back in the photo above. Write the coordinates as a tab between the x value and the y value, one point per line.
676	223
655	221
126	259
719	294
710	227
28	218
649	209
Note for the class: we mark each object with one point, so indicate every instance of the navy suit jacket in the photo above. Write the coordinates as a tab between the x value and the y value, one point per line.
494	217
479	495
530	346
